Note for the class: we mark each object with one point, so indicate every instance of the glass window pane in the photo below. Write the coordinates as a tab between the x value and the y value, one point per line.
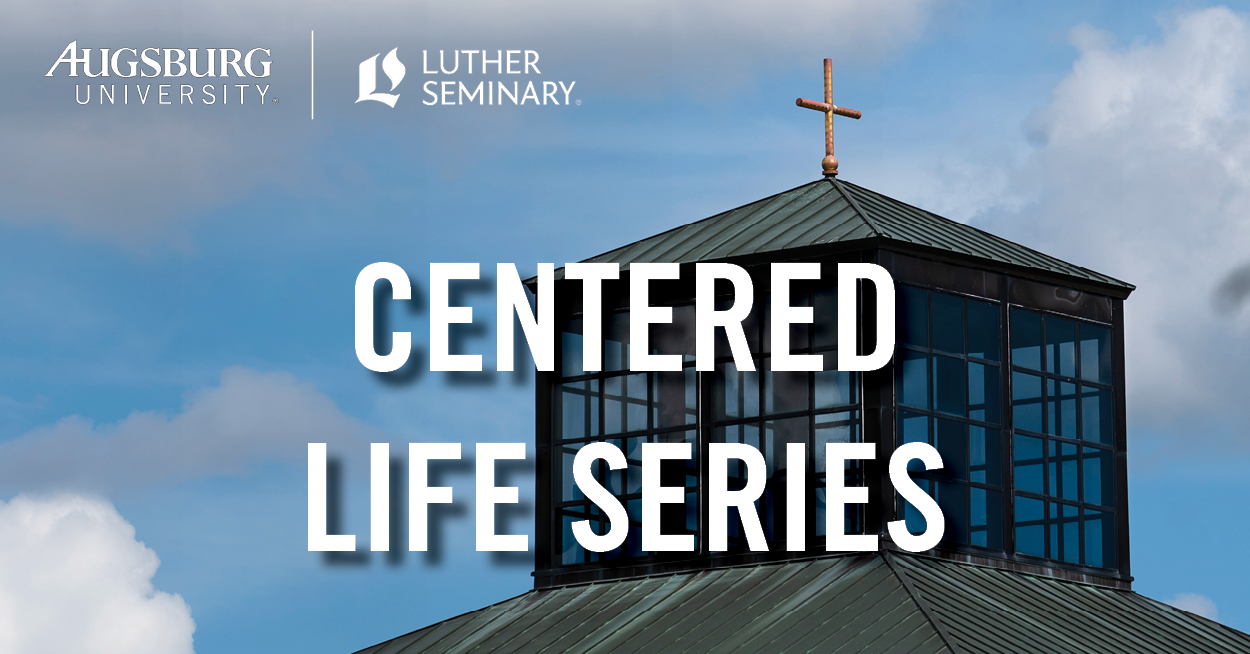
985	515
1069	534
613	480
617	406
676	337
1028	463
784	392
913	316
952	444
579	409
913	382
948	323
1096	415
777	433
1030	526
1097	469
616	342
1026	339
953	499
911	515
825	329
636	401
915	429
834	388
1096	354
633	462
1060	346
1061	409
1026	401
983	330
676	398
983	393
950	385
572	553
984	455
1100	539
736	394
571	349
833	428
570	491
1062	470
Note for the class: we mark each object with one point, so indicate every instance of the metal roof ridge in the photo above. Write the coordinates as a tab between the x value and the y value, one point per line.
915	596
858	209
702	220
990	235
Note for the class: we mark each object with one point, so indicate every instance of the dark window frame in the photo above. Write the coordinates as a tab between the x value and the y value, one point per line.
1048	497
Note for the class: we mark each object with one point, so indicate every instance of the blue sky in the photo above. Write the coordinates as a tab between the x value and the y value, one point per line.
181	280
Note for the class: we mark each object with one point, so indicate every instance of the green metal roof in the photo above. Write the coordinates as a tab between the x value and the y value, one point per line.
829	211
881	602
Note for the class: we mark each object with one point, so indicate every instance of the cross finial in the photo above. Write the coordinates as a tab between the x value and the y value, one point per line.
830	162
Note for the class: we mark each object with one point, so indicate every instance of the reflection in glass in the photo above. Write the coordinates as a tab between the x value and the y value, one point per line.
1030	529
1096	415
1026	400
1095	353
915	520
825	316
983	393
736	394
913	316
1028	464
952	444
1060	346
953	500
1096	465
571	349
1026	339
676	398
950	385
570	492
616	342
986	518
579	406
784	392
948	323
913	386
1062	469
834	388
983	330
984	455
832	428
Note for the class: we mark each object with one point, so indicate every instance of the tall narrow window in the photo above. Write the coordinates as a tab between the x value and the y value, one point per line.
1063	443
625	409
768	409
949	395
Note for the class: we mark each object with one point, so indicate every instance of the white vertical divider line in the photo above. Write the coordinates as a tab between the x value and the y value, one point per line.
312	75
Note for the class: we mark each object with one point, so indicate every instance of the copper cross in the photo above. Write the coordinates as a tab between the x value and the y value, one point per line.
830	162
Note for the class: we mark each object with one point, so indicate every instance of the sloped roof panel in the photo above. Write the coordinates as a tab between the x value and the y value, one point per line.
830	211
840	604
888	602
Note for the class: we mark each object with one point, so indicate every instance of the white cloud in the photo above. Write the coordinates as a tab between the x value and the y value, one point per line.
1197	604
1140	168
74	579
251	418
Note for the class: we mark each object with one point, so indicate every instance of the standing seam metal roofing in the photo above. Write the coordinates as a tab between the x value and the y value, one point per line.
830	211
881	602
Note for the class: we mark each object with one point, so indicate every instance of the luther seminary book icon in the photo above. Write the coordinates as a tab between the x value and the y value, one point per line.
394	70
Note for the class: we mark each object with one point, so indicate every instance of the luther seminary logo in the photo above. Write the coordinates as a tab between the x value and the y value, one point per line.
394	70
